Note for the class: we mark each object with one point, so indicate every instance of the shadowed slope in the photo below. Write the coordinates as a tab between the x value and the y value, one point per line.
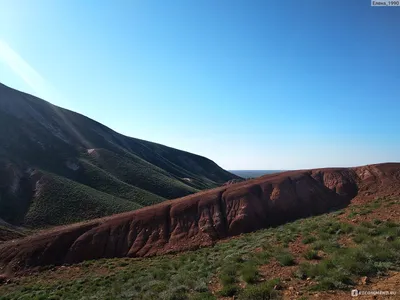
9	232
38	136
201	219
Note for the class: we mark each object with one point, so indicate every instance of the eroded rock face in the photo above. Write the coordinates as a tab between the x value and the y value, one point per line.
201	219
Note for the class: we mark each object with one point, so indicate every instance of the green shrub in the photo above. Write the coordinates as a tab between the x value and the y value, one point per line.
324	236
230	269
229	290
352	214
318	245
262	258
346	228
396	244
203	296
228	274
332	228
309	239
366	224
285	259
377	221
249	273
378	251
227	279
159	274
263	291
288	239
361	237
303	271
334	280
311	254
365	211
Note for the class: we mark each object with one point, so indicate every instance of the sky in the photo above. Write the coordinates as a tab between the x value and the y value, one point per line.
249	84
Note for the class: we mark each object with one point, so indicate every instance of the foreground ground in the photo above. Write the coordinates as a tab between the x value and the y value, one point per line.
323	256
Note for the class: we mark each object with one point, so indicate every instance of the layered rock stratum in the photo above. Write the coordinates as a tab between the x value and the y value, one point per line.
203	218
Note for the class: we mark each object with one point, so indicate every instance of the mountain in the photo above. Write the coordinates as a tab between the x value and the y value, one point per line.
59	167
203	218
253	173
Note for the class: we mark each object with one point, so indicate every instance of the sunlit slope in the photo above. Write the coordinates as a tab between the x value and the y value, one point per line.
129	173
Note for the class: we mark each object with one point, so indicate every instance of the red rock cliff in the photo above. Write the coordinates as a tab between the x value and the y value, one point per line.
203	218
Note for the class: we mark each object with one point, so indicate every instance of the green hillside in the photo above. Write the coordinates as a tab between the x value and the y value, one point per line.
135	171
90	170
97	178
60	201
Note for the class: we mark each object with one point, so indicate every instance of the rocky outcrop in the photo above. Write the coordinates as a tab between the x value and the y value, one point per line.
201	219
233	181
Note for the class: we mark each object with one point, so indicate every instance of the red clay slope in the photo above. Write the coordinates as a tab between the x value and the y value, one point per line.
203	218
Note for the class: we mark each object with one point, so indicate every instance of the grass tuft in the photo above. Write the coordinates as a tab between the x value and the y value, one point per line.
263	291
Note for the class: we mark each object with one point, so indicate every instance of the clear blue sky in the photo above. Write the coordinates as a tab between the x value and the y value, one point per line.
249	84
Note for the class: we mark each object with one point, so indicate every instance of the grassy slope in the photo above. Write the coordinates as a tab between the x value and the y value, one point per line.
328	252
62	201
135	171
96	178
37	135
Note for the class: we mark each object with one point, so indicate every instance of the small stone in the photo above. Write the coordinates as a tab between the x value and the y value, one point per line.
291	288
308	278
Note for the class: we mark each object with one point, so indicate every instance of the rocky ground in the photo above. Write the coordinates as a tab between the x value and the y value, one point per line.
322	257
204	218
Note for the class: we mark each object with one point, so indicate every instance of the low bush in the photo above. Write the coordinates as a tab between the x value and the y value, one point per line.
309	239
249	273
361	237
311	254
263	291
229	290
285	258
203	296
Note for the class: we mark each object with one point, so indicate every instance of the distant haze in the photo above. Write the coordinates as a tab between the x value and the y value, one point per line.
253	173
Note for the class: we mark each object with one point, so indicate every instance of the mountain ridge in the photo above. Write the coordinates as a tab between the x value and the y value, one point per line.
37	137
203	218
